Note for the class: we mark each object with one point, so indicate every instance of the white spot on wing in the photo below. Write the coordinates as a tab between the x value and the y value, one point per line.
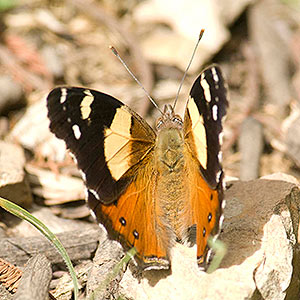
221	135
215	112
209	252
94	216
74	158
220	156
206	88
215	75
63	96
94	193
99	224
218	175
86	193
221	221
224	185
83	175
223	204
76	131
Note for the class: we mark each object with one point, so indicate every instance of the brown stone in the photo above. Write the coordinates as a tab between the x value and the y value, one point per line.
13	183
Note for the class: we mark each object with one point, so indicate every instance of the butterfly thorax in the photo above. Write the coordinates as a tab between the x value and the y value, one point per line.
170	166
169	142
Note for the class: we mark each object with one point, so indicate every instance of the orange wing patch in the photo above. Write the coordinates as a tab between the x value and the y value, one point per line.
206	209
133	222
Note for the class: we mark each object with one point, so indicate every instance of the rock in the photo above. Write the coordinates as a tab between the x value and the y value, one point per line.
4	127
101	275
2	232
64	286
282	177
54	188
53	61
36	278
186	18
13	183
260	232
270	37
54	223
11	93
32	132
5	294
251	146
80	244
292	138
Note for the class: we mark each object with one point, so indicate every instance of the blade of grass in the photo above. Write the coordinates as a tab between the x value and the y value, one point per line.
220	250
25	215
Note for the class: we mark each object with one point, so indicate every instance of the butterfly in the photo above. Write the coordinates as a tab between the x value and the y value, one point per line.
150	188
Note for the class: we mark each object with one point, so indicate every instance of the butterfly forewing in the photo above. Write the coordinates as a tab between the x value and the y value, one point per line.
205	110
102	134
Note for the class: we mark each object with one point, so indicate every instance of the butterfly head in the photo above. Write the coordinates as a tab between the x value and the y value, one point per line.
169	141
169	119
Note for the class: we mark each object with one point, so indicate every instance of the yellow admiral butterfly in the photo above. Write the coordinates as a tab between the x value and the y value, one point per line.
149	187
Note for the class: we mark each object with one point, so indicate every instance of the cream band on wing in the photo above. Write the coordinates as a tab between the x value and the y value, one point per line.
198	131
206	88
63	96
215	75
116	143
85	105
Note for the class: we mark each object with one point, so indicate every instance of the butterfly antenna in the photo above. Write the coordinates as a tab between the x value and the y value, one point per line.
115	52
186	70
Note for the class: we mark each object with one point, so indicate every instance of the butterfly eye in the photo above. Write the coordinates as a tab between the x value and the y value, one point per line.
177	120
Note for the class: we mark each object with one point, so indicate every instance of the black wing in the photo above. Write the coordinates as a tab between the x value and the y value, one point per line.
106	137
205	110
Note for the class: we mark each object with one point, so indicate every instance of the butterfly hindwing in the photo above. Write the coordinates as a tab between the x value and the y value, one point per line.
132	220
102	134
